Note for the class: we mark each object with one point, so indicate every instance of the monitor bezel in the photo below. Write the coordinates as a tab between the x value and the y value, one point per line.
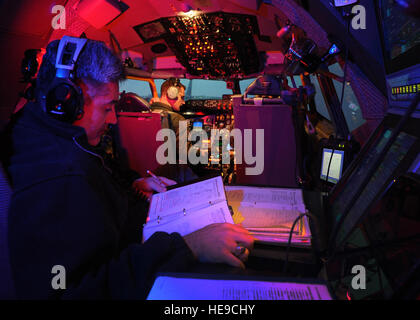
402	61
388	123
330	178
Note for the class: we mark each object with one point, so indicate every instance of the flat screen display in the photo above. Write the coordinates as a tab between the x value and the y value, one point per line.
401	36
332	167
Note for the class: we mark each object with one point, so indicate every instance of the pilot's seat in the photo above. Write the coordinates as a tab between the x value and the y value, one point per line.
131	102
137	130
268	111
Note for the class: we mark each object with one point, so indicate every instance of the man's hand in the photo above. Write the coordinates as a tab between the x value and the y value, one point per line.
154	99
219	242
148	185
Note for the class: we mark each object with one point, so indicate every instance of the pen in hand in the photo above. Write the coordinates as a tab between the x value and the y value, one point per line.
162	183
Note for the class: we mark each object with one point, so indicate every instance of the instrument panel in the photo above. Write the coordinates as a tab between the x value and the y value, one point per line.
215	113
217	45
210	106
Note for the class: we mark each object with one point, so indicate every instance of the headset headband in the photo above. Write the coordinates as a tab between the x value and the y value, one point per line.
67	54
175	82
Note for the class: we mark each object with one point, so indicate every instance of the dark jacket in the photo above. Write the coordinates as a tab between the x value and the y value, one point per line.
68	210
170	118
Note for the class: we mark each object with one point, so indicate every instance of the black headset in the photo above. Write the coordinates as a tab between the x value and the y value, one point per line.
64	99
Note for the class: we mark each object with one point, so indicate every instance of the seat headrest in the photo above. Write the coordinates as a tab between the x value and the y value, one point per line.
131	102
267	85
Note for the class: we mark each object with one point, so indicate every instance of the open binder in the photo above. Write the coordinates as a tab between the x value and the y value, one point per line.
268	213
188	208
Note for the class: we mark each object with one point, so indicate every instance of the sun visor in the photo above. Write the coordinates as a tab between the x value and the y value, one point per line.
98	13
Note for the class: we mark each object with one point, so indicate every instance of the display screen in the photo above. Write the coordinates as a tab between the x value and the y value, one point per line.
198	125
383	173
401	33
332	167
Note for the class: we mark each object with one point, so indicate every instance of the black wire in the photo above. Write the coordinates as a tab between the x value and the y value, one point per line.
346	64
290	237
329	164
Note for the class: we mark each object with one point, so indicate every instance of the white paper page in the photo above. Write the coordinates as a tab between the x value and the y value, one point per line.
306	228
192	221
272	195
301	242
186	197
266	218
266	197
171	288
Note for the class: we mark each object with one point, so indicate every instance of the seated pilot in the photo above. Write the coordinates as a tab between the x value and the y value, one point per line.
67	209
169	104
172	93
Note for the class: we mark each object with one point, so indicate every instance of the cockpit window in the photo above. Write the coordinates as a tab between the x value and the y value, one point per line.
200	88
351	107
195	88
243	84
321	108
142	88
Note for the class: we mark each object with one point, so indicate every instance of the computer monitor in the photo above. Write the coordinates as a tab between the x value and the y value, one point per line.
378	181
400	35
346	210
332	165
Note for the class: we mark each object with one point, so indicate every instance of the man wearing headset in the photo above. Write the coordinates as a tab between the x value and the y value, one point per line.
67	212
172	93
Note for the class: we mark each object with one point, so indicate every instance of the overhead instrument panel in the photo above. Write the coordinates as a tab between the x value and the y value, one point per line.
217	45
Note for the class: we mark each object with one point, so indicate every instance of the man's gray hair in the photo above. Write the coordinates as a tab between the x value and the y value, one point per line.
96	64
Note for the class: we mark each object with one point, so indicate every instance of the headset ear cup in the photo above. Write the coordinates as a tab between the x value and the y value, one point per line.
172	93
64	101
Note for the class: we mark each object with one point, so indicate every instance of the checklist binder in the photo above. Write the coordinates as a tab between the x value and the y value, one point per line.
188	208
268	214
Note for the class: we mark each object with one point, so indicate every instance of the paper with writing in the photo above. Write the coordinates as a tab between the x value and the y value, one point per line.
187	198
192	221
174	288
188	208
268	213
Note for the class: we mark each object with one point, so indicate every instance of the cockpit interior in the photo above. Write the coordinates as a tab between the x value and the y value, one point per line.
274	96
